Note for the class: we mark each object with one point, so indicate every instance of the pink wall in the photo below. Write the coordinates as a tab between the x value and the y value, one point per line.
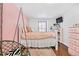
10	17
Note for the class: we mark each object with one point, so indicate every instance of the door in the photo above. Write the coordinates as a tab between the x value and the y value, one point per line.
1	8
42	26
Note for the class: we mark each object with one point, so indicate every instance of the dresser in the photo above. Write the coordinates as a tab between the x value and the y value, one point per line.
73	41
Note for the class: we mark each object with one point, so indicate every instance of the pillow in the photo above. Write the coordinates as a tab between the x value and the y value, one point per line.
24	29
28	29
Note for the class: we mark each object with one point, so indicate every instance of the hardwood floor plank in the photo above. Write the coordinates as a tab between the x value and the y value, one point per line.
42	52
62	51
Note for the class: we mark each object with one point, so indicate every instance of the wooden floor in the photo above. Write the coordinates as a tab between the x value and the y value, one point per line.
62	51
42	52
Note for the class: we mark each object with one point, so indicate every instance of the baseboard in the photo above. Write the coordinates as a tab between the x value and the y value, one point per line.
64	44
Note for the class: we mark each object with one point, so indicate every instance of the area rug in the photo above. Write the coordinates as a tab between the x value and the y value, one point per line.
42	52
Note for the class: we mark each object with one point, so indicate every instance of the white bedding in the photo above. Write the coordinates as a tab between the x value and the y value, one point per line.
39	43
45	42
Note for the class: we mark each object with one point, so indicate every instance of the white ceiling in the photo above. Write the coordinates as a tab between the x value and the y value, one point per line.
45	10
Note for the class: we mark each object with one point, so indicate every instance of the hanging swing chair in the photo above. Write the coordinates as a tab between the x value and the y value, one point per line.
13	48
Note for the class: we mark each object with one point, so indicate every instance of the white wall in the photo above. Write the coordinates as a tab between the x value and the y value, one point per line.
33	23
70	18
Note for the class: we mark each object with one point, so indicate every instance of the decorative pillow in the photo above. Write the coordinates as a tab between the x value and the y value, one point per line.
28	29
24	29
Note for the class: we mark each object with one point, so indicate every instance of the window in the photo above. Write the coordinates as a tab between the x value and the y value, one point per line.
42	26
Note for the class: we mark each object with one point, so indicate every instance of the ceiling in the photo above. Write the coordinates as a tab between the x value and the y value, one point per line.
45	10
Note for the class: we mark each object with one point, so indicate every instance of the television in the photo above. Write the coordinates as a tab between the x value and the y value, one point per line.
59	20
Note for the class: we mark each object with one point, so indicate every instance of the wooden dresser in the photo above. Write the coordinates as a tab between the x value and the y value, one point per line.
73	41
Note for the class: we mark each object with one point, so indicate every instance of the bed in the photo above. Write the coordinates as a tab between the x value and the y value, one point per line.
38	39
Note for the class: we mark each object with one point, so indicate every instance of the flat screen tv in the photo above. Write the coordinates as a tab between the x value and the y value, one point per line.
59	20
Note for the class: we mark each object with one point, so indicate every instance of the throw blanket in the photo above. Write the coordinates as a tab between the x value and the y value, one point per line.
38	35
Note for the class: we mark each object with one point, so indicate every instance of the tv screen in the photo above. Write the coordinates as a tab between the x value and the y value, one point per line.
59	20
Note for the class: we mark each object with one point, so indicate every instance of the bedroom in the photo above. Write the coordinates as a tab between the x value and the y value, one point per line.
37	29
